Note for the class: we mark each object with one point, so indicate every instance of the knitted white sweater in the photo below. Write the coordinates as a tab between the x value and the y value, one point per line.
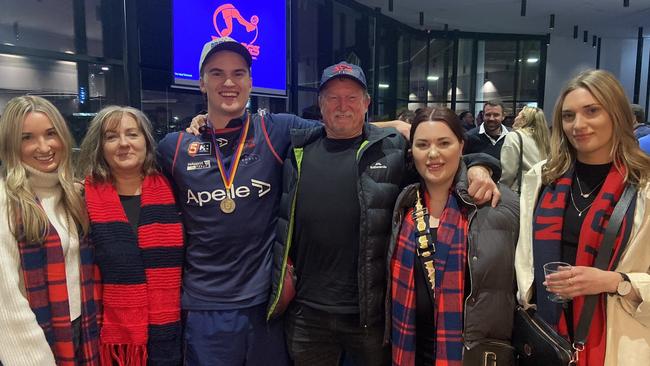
22	341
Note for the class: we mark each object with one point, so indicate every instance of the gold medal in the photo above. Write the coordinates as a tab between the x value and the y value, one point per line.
227	205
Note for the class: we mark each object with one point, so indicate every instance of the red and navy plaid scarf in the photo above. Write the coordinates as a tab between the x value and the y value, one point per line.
43	266
140	275
450	263
547	243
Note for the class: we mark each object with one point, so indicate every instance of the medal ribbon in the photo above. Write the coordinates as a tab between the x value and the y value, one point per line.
229	178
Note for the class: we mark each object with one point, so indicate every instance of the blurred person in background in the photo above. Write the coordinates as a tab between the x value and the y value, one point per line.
524	147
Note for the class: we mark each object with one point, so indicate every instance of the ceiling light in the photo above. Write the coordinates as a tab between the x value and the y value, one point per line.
532	60
383	86
8	44
433	77
69	52
105	68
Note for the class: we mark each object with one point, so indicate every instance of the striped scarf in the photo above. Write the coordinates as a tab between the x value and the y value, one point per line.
547	243
43	266
140	275
450	263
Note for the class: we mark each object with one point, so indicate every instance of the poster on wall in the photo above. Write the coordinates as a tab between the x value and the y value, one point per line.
261	26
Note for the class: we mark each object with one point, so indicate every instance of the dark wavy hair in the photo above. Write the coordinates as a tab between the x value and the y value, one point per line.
439	114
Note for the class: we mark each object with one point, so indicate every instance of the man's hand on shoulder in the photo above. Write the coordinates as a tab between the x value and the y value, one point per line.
402	127
197	122
481	186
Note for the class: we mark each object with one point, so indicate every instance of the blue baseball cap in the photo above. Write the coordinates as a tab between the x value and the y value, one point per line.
224	44
343	70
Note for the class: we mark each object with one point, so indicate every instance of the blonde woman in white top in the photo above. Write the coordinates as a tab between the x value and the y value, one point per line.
47	313
530	124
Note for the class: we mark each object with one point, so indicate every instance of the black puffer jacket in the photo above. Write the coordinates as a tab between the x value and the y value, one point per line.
381	167
492	238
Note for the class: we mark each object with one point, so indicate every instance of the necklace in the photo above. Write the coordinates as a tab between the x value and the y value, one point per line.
586	195
576	207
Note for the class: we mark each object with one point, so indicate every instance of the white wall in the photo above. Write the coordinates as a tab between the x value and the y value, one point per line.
567	57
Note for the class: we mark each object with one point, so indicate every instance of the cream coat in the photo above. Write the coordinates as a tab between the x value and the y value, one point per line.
628	323
510	157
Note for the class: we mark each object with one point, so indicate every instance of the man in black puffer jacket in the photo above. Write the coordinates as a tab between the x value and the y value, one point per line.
340	183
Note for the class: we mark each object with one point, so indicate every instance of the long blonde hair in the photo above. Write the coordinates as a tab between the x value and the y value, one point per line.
92	159
21	200
535	124
608	91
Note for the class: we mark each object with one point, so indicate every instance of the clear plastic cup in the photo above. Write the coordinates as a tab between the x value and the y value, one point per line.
553	267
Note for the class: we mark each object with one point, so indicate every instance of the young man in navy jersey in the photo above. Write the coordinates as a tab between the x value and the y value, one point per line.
227	179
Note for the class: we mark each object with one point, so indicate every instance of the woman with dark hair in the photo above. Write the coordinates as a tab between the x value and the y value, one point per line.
138	239
451	295
567	203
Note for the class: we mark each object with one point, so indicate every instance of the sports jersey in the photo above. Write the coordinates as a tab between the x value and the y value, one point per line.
228	255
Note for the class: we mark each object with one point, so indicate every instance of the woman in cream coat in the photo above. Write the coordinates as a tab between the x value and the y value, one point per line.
530	125
592	145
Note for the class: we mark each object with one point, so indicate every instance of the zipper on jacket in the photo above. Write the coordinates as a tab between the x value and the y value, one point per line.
363	316
469	262
298	153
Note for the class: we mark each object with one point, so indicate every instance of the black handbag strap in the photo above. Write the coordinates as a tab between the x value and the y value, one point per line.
521	161
424	245
602	262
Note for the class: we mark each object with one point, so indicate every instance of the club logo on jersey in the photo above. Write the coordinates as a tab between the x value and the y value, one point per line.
203	197
198	165
199	148
249	159
221	141
378	165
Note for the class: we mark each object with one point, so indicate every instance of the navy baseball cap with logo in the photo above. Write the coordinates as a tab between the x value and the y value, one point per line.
343	70
224	44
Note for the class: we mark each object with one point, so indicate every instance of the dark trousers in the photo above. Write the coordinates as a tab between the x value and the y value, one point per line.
318	338
234	338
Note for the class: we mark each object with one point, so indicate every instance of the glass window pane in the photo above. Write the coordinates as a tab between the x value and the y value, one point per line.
403	67
495	70
464	71
308	21
386	48
351	31
22	75
529	60
308	105
170	110
44	25
418	78
439	65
